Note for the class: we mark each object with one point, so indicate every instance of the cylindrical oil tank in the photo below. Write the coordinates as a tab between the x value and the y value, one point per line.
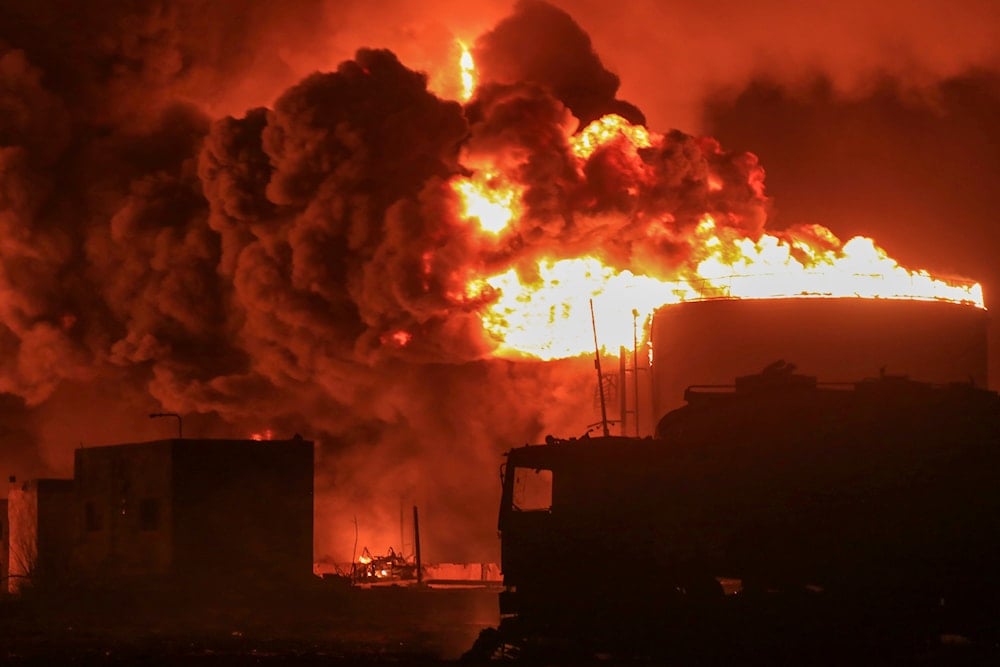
835	339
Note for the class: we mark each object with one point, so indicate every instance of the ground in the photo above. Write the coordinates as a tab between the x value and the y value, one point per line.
320	624
328	624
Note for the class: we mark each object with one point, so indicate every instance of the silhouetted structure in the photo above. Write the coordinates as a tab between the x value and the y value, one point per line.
219	512
880	492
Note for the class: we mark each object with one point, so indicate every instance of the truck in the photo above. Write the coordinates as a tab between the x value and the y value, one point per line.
776	509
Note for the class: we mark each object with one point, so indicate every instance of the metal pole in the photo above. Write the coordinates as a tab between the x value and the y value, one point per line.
416	546
600	378
635	368
622	394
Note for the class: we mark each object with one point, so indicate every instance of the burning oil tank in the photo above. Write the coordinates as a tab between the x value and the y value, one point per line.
831	338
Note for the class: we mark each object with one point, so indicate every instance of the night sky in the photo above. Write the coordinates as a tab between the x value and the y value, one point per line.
227	210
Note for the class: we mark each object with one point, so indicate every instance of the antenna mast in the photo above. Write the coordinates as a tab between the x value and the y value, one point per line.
600	378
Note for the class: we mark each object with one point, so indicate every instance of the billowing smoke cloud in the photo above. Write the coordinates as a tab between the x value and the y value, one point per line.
542	44
297	262
672	55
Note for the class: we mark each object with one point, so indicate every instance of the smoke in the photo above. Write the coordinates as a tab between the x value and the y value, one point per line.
542	44
233	212
671	56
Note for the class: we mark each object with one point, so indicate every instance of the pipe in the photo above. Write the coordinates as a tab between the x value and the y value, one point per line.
180	424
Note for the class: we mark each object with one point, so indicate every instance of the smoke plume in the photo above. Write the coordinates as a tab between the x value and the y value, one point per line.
232	212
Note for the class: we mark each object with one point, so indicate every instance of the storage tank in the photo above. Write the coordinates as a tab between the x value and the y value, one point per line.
834	339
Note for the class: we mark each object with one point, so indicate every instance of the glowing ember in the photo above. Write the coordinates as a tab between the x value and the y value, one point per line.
488	198
398	338
468	72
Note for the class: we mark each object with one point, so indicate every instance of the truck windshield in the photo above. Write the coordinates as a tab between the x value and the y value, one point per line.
532	490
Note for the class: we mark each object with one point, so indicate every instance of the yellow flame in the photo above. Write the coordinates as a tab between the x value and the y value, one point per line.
548	316
774	267
489	199
467	69
544	312
606	129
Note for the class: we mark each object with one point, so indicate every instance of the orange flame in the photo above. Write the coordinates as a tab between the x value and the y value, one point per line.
547	315
604	131
488	198
467	69
262	435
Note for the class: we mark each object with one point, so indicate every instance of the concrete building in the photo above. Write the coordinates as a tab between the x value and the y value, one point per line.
199	511
40	532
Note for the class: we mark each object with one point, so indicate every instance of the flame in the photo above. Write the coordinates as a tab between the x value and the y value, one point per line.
467	70
604	131
543	310
775	267
549	317
266	434
488	198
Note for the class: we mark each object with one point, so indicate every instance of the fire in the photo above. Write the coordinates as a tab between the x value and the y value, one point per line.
467	69
489	198
605	130
549	318
543	312
266	434
775	267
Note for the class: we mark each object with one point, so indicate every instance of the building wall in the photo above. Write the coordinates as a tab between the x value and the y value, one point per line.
243	509
41	532
207	510
4	547
124	510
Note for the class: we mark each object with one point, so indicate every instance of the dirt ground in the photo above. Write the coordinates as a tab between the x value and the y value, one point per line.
316	625
327	624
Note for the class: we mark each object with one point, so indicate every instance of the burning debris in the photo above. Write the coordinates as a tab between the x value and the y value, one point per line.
326	259
391	568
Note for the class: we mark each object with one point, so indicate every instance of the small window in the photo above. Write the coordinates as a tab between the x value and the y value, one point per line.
532	489
149	514
92	518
